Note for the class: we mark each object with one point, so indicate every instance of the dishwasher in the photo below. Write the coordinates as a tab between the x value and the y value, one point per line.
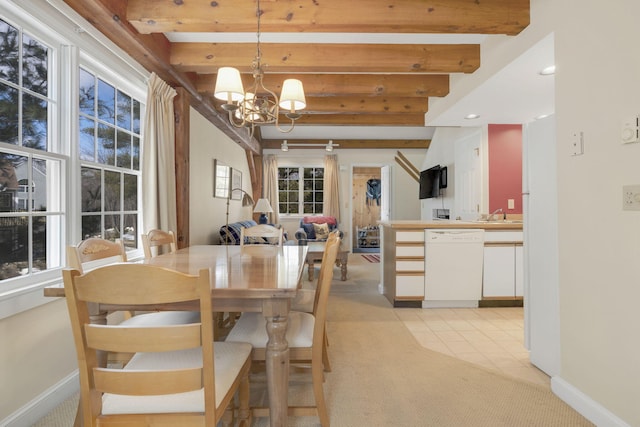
453	267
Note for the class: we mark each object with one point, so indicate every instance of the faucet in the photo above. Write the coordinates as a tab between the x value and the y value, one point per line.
492	215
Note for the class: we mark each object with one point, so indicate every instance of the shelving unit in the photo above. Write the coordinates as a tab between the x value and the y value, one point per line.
368	237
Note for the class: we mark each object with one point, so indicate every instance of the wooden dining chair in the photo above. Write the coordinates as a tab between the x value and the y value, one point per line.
89	252
158	241
261	234
177	375
305	335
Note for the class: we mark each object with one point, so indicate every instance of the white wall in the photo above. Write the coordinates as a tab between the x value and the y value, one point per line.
207	213
597	89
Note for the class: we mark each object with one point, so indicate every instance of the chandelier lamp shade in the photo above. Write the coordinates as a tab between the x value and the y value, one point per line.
258	105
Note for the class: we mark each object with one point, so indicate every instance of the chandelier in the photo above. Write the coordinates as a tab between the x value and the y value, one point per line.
259	105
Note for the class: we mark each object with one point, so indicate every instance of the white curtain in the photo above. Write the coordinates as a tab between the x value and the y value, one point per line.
158	162
270	187
331	205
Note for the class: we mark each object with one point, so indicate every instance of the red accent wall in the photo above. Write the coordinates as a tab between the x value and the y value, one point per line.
505	167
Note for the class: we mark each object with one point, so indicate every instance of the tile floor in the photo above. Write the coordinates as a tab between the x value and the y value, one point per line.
490	337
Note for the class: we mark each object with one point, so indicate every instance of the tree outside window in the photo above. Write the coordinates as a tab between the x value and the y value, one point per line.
300	190
110	154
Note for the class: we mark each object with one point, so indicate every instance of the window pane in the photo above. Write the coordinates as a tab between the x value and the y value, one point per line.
130	192
308	208
124	110
9	102
91	226
34	122
9	57
136	117
106	145
91	191
35	65
39	243
112	227
112	191
87	139
124	150
106	102
87	93
130	235
12	170
38	185
135	153
14	244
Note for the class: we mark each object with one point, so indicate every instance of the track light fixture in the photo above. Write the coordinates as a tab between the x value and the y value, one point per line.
328	147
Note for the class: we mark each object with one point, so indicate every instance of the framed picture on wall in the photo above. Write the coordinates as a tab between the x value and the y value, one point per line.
221	179
236	184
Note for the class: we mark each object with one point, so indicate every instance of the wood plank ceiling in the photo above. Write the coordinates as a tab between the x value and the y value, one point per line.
345	83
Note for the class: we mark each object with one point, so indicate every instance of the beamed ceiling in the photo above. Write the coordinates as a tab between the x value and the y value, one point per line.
347	82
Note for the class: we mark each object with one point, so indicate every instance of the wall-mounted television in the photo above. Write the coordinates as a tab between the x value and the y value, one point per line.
432	180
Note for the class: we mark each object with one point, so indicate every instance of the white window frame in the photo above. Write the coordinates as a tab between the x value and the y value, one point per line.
73	42
299	163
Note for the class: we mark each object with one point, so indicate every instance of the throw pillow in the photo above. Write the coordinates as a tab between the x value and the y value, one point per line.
322	231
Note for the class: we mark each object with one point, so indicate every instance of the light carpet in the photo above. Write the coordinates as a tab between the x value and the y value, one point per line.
382	377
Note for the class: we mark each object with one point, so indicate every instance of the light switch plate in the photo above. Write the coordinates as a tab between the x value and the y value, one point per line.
631	131
631	197
577	143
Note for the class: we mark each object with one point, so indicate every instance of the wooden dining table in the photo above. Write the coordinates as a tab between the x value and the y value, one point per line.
257	278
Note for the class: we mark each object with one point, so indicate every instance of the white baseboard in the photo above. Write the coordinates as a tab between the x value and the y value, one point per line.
44	403
586	406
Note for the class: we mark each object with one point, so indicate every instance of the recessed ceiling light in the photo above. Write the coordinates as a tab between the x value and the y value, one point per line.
471	116
548	70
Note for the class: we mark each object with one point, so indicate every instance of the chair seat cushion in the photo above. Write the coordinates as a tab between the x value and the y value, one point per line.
228	360
251	328
163	318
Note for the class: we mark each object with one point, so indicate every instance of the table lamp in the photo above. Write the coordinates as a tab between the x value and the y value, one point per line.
262	207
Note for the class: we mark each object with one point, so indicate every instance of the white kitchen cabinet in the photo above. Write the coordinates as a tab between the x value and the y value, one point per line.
503	265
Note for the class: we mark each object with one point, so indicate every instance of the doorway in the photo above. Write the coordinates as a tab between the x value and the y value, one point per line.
366	206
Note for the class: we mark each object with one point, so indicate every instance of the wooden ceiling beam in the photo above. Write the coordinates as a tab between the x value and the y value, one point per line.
351	143
151	51
401	85
413	119
328	58
363	105
355	16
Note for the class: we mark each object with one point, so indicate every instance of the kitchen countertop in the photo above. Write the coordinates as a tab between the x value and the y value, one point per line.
484	225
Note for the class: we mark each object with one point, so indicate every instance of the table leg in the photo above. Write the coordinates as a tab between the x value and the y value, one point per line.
310	268
276	313
341	262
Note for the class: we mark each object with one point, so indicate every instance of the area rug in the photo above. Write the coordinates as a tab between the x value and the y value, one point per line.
372	258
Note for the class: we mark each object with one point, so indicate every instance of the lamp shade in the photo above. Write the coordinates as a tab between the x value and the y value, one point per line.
229	85
292	95
263	206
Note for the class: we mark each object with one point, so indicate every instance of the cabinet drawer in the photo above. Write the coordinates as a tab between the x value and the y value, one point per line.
410	236
410	266
409	251
503	236
410	286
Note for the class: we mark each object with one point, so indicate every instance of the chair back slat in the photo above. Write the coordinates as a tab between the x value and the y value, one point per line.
148	383
95	249
143	339
157	241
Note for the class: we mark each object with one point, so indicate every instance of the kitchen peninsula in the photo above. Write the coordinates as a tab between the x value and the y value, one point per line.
494	268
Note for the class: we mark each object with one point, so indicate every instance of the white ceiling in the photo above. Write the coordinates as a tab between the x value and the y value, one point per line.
515	94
